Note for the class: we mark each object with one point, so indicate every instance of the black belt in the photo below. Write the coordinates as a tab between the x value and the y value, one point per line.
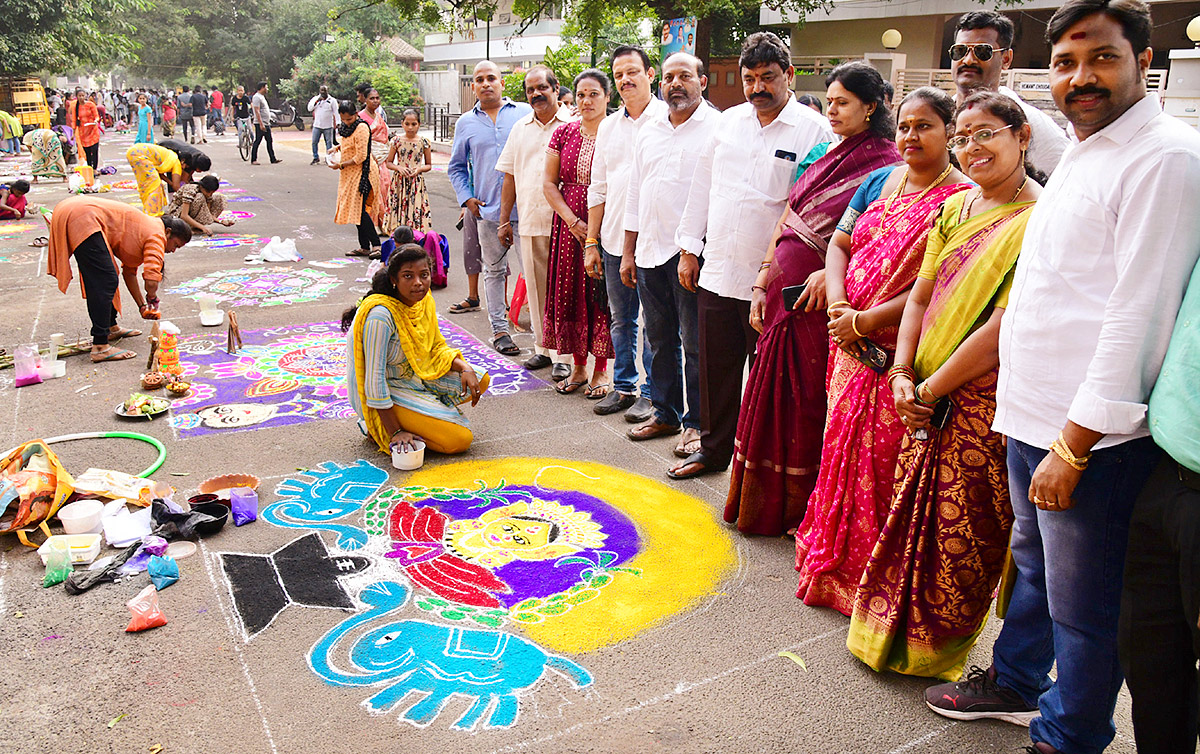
1189	478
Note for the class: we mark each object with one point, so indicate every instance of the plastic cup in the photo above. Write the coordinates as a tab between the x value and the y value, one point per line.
409	460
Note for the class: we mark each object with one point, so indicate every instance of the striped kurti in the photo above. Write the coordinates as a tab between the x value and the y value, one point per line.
389	378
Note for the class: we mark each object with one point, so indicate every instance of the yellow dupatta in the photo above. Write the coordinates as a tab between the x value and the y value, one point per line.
973	260
426	349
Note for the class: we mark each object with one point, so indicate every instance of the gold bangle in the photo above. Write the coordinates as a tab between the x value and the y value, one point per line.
1063	451
932	399
836	304
854	325
764	266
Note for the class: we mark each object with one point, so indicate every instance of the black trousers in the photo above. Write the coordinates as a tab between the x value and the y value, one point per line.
1160	604
98	273
185	125
368	238
726	341
92	154
261	133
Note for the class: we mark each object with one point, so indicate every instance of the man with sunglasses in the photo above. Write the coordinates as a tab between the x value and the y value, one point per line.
982	49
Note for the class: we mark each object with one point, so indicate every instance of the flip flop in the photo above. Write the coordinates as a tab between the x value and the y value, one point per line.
112	354
40	241
695	459
466	305
566	387
358	253
123	333
593	391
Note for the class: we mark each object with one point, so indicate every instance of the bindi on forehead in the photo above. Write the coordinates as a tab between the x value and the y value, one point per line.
1079	35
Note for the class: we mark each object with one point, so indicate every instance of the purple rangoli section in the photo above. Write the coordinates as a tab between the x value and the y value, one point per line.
293	375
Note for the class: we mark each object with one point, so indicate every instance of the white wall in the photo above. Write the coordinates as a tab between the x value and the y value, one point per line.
438	87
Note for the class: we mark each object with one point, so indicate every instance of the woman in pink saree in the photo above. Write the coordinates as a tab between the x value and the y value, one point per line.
778	441
872	264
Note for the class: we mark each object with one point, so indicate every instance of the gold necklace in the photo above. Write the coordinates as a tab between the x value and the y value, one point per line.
887	207
971	205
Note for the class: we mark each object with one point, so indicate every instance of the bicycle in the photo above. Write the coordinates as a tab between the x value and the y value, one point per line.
245	139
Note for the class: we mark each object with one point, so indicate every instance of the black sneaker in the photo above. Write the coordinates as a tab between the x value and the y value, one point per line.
978	697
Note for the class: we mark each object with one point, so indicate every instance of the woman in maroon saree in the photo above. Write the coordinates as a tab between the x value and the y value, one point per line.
872	265
778	444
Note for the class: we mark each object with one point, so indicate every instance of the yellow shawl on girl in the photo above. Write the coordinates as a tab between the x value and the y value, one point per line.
427	350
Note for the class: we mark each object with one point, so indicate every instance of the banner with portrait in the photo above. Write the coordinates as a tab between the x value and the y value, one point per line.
678	35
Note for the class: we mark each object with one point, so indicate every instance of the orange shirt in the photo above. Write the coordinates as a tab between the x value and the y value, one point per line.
87	130
134	238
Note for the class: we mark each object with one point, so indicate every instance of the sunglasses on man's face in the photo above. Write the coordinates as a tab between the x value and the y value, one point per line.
982	51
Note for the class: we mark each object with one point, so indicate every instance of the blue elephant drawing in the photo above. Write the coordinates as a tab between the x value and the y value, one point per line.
335	492
489	667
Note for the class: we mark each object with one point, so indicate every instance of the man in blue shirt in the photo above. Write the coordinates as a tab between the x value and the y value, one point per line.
479	137
1160	605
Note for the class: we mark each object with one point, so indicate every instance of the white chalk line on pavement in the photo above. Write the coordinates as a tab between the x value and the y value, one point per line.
680	688
235	641
925	738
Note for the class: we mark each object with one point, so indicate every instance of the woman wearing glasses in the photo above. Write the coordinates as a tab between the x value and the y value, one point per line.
870	266
926	589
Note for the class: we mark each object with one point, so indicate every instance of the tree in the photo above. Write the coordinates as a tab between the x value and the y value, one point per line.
64	35
349	60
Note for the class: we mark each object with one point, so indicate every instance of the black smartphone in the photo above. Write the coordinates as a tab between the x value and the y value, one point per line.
939	420
783	154
791	294
460	222
872	356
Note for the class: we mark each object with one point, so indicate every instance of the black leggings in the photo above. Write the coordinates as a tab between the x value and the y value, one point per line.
98	273
93	155
368	238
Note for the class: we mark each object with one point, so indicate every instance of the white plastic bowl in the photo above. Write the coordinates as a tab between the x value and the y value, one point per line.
411	460
82	517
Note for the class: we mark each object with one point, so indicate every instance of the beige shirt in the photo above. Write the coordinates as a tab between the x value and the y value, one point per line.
524	158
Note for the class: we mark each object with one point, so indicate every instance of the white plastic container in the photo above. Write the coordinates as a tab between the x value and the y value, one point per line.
410	460
83	548
82	517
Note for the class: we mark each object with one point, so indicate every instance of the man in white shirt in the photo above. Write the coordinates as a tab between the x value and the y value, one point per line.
982	50
324	110
661	175
632	76
736	199
1106	259
523	163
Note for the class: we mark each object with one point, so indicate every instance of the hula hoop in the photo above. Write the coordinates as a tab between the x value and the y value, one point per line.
162	450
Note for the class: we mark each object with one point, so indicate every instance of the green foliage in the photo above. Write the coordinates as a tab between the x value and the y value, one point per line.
566	62
349	60
65	35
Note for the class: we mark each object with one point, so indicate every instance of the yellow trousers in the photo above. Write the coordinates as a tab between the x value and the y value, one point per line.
439	435
150	185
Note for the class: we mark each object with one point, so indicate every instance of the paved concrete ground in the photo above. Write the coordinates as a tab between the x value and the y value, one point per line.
707	679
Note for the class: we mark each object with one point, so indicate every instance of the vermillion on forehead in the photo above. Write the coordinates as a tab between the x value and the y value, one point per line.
1079	35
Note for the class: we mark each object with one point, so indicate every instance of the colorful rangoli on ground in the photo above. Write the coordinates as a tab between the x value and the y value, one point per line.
261	286
487	580
292	375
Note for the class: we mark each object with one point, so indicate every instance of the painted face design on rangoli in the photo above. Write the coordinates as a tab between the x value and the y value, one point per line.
233	415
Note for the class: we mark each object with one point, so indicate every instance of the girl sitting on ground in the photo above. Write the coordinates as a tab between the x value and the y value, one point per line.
199	205
405	382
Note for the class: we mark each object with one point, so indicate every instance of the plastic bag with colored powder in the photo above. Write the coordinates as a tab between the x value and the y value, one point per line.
58	567
146	613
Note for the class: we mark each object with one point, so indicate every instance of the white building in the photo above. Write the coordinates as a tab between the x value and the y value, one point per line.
496	40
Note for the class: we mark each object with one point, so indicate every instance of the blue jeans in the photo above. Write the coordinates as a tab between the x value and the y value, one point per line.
1067	596
316	137
623	308
672	321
